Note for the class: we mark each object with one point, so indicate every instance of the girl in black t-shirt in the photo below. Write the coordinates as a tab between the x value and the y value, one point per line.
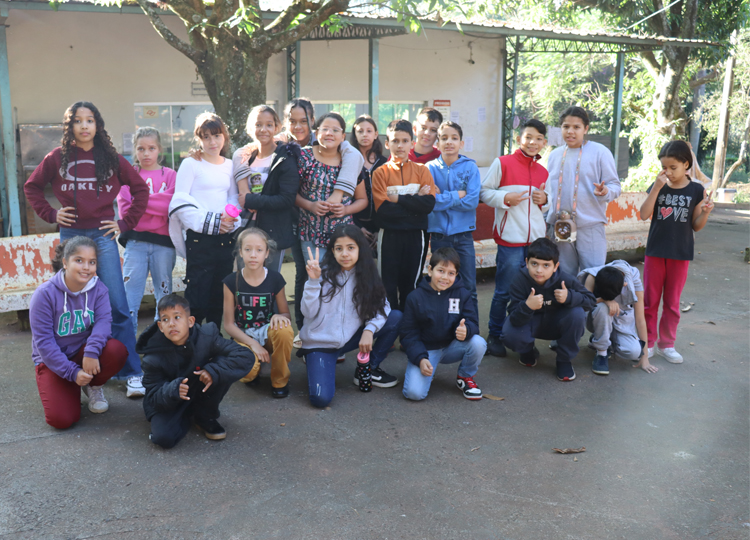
256	313
677	207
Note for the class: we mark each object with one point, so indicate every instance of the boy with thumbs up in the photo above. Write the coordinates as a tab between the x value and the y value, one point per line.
440	326
546	303
514	186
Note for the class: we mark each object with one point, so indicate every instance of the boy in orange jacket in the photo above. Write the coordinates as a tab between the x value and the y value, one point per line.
404	194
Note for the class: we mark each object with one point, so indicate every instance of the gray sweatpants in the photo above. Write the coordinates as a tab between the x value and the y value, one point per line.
588	251
618	332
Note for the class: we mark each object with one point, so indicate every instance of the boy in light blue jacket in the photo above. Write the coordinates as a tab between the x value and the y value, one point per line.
454	217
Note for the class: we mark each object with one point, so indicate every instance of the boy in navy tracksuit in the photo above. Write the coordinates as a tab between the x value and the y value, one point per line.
549	304
440	326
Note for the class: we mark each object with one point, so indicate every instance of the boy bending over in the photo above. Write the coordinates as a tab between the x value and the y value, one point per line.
440	326
187	370
617	323
546	303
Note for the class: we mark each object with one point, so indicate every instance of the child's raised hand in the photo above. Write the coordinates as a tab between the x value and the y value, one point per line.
535	301
425	190
313	264
461	330
706	205
515	198
184	390
538	196
661	180
83	378
600	189
204	377
66	216
91	365
561	295
279	321
365	342
425	367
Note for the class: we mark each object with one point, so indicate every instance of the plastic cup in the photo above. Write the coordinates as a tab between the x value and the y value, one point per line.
232	211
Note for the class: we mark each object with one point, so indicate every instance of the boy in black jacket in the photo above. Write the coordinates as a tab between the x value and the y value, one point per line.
187	370
548	304
440	326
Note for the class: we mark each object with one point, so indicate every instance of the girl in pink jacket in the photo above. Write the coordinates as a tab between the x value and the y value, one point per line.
148	247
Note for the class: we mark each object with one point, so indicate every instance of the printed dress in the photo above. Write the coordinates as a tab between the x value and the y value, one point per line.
317	182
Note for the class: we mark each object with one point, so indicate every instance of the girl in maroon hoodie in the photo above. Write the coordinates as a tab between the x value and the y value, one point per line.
70	326
86	174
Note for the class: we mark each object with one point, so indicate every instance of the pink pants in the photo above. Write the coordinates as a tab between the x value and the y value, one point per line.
663	277
61	398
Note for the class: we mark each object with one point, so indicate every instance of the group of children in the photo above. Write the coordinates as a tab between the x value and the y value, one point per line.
338	206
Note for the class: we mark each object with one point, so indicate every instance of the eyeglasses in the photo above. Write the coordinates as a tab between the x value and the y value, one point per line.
335	131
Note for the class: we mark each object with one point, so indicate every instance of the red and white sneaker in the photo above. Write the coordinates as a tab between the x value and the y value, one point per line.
469	388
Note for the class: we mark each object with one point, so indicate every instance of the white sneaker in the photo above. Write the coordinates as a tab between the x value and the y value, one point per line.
135	386
297	342
97	402
650	352
670	354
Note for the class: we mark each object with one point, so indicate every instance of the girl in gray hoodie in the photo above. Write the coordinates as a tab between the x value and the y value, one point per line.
345	308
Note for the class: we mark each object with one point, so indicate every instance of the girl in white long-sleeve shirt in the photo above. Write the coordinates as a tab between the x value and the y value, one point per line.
199	225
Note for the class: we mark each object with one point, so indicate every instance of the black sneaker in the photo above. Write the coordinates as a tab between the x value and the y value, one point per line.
529	359
565	371
496	347
211	429
280	392
382	379
600	365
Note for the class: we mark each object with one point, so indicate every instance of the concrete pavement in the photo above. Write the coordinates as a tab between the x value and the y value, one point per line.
666	454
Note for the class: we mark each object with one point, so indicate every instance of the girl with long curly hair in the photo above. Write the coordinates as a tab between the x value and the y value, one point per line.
86	174
345	308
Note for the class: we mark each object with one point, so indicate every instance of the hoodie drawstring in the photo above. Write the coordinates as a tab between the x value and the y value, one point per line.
65	303
86	307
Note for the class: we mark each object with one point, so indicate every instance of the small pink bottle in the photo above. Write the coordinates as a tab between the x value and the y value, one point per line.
232	211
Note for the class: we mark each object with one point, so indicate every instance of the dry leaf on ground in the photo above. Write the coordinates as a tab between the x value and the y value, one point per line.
569	450
493	398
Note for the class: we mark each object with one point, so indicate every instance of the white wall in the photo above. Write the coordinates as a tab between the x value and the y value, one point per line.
116	60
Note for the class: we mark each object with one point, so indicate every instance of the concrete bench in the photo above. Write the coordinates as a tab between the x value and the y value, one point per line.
25	260
25	263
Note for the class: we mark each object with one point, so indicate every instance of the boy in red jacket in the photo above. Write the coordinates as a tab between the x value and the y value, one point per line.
514	186
425	135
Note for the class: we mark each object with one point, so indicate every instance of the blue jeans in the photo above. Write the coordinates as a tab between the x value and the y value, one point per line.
140	259
508	262
463	243
469	353
321	365
109	271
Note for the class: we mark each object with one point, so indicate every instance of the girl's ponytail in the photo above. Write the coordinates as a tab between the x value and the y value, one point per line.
68	248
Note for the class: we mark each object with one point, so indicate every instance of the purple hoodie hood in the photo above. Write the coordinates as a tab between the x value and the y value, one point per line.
63	321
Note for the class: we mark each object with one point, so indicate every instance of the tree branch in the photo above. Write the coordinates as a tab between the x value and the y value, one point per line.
285	38
194	54
283	21
711	75
651	63
742	156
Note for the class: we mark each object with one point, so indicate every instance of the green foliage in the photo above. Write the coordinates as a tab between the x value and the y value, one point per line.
741	197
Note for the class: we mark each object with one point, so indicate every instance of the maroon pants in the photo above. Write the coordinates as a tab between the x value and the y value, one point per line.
61	398
663	278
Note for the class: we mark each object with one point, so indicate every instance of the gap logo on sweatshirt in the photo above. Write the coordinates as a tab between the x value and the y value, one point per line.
676	207
72	323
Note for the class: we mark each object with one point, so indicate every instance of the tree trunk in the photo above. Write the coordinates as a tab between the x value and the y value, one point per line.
720	156
236	82
671	119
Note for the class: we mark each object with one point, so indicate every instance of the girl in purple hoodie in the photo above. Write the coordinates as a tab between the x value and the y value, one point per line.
71	321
